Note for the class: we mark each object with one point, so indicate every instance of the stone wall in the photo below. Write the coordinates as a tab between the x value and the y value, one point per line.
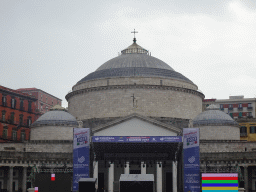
51	133
37	147
118	102
226	146
220	133
134	80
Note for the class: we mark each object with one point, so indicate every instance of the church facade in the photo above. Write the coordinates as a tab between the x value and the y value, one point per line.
133	95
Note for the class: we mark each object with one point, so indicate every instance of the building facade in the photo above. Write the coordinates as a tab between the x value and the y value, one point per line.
235	106
247	129
45	101
17	114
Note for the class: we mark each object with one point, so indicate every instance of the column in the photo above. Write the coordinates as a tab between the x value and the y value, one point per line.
24	180
159	176
174	176
95	171
246	178
143	169
127	168
111	177
10	178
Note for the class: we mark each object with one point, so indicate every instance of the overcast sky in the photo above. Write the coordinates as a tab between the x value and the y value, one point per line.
51	45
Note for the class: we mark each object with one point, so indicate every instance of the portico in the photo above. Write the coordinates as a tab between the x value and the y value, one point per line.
136	154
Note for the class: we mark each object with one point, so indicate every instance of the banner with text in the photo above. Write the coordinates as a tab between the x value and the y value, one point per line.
81	155
137	139
191	159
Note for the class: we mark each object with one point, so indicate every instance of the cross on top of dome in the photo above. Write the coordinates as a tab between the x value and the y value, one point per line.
134	48
134	39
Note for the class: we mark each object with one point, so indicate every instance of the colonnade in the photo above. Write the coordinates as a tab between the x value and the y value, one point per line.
10	179
159	171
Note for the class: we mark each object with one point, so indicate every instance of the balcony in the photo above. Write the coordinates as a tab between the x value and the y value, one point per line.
243	134
230	108
249	107
240	108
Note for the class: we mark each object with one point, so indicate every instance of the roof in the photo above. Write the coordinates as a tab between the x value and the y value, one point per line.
56	118
213	116
16	92
28	90
135	62
141	117
136	177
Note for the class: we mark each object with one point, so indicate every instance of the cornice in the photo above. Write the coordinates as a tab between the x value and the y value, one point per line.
20	95
161	87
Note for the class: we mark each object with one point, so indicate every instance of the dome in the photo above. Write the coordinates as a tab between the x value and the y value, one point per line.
213	116
135	61
56	116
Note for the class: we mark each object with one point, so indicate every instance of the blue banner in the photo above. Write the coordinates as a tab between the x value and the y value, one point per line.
137	139
191	159
81	155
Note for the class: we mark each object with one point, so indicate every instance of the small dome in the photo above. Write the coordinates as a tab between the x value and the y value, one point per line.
57	116
213	116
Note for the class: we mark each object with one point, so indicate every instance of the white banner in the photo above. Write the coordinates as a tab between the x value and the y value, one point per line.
81	137
190	137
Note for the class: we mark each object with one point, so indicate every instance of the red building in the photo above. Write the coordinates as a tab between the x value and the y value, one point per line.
17	113
44	102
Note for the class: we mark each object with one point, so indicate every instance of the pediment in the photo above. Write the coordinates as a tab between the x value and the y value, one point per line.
136	125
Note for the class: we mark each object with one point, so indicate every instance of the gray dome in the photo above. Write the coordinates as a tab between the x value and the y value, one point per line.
56	117
213	116
135	62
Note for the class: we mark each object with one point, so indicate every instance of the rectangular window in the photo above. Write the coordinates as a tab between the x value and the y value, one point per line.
13	103
161	82
3	115
243	130
5	132
21	105
14	135
249	105
23	136
221	106
4	101
29	121
29	106
21	119
12	118
252	129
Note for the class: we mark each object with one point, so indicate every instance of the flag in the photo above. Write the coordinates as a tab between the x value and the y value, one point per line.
52	177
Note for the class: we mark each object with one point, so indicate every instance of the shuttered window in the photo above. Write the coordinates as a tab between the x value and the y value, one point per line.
243	130
252	129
